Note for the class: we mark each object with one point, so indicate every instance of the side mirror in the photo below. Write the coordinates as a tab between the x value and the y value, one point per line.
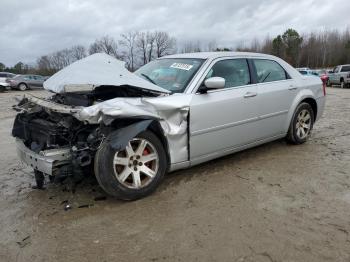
215	82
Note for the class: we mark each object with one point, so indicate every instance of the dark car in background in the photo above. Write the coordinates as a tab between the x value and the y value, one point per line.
24	82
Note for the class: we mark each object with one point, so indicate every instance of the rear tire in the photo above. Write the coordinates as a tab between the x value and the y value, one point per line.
129	174
301	125
22	87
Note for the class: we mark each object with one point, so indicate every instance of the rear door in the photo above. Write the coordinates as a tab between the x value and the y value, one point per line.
276	91
29	80
224	118
38	81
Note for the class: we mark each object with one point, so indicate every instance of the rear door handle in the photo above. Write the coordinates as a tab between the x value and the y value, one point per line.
291	87
250	94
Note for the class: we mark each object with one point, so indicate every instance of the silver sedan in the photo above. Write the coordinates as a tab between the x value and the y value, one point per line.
173	113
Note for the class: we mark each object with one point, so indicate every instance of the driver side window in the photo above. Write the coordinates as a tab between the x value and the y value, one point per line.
234	71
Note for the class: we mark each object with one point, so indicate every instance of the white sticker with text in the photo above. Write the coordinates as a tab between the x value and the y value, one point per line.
181	66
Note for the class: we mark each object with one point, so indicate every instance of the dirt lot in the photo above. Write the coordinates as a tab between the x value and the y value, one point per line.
276	202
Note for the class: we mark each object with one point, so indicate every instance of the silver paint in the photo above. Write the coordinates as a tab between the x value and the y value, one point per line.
222	121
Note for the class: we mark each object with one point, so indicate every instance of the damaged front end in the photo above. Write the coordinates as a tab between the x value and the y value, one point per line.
60	136
53	143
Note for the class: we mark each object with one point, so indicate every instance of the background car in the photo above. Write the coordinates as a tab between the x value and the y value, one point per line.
24	82
340	76
3	76
323	74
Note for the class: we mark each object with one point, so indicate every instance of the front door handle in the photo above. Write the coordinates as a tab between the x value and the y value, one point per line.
250	94
291	87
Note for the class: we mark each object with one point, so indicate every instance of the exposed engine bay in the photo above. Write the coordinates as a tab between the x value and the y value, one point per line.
43	130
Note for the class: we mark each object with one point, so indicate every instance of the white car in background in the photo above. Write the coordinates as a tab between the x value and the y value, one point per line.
3	76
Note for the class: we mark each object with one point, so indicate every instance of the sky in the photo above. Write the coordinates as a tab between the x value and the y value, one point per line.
31	28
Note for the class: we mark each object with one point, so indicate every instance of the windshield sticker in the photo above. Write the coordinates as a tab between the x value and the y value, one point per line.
181	66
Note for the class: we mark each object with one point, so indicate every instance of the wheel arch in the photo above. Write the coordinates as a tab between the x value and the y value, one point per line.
304	96
312	102
20	83
128	128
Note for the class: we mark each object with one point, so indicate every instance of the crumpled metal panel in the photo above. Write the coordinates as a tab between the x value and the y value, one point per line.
96	70
171	112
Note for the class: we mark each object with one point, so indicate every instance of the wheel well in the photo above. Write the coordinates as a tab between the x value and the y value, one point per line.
22	83
154	127
312	102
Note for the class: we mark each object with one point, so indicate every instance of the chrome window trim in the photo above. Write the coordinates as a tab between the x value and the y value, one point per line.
207	69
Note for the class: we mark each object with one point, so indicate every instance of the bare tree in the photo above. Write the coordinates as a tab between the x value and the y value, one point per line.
129	42
212	46
151	37
191	46
142	45
78	52
164	43
104	45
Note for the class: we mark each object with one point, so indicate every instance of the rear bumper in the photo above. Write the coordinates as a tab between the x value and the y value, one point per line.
46	161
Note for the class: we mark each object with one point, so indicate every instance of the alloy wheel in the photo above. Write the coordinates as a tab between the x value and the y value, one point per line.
22	87
303	124
137	165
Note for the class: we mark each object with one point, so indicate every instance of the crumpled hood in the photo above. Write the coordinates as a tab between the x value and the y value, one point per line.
96	70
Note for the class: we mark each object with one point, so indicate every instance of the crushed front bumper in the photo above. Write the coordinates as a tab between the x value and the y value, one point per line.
46	161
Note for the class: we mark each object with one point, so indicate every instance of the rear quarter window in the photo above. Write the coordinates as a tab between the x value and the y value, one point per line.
269	71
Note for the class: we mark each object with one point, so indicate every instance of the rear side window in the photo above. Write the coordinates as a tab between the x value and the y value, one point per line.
234	71
269	71
345	69
3	75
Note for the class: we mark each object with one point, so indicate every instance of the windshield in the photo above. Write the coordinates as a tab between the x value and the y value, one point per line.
173	74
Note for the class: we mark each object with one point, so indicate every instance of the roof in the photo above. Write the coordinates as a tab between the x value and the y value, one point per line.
212	55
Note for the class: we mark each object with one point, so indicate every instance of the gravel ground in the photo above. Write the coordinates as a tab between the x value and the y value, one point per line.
276	202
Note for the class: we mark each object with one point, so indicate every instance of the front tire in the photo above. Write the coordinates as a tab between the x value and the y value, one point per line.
301	124
133	172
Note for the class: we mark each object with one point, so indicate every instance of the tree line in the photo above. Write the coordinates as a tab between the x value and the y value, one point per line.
323	49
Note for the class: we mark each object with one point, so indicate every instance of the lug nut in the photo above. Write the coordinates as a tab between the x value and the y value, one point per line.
137	157
140	163
135	168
